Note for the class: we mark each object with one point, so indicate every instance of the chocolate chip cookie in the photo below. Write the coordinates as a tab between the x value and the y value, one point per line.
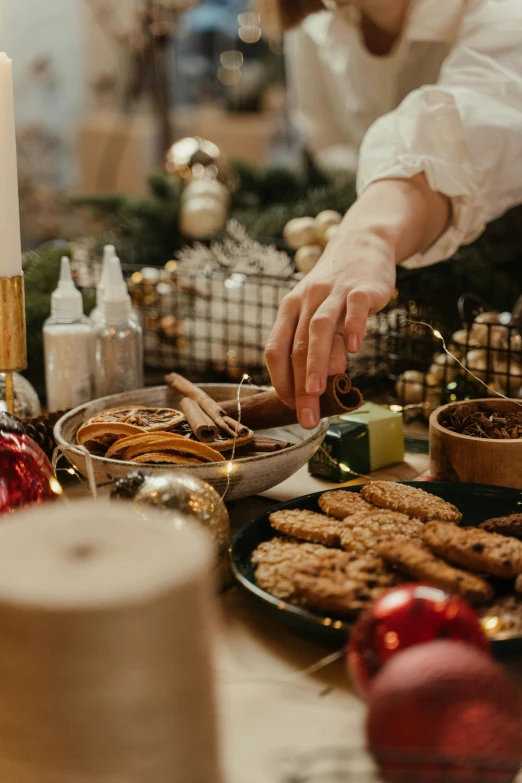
307	526
341	504
476	549
365	530
409	500
504	526
416	561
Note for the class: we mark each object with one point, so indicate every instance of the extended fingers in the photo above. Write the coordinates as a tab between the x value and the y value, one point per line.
279	349
324	325
358	305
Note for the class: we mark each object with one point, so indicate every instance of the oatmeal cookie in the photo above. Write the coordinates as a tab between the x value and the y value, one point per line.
313	576
365	530
504	526
410	500
307	526
416	561
476	549
341	504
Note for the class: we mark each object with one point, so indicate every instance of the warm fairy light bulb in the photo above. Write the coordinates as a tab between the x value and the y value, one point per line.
71	471
437	334
230	468
55	486
396	408
345	468
491	624
246	377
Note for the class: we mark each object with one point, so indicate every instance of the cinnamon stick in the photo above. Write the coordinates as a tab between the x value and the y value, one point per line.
266	410
201	425
222	419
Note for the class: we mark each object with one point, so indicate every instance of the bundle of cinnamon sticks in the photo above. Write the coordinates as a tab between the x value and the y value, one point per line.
211	421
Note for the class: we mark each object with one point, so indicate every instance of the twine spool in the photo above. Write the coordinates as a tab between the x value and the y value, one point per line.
105	653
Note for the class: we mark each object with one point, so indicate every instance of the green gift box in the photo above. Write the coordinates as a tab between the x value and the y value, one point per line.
370	438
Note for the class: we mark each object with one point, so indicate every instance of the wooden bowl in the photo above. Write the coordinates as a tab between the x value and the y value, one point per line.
455	457
250	475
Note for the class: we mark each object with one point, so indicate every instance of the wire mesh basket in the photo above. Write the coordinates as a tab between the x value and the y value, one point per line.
206	326
216	325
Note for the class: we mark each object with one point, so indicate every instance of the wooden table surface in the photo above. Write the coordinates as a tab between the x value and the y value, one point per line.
276	721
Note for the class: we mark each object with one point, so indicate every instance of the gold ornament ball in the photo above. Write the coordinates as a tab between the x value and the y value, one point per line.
461	340
444	368
477	362
202	217
184	498
197	158
327	219
206	188
307	257
511	371
410	387
329	234
300	232
487	330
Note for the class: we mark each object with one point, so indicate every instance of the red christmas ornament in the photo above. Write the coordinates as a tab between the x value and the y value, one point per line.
408	615
26	475
446	712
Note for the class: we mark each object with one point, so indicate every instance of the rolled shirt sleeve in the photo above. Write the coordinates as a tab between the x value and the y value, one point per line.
465	132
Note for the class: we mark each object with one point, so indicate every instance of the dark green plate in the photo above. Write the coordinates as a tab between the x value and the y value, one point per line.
476	502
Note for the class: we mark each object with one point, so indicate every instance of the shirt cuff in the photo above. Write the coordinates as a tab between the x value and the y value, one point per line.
426	135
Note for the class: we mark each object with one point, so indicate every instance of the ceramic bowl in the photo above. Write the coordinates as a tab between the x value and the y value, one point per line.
249	476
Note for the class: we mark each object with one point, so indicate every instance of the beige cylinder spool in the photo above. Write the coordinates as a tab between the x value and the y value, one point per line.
105	659
456	457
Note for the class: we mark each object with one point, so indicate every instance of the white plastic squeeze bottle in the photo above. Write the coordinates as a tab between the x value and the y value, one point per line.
68	337
119	339
108	253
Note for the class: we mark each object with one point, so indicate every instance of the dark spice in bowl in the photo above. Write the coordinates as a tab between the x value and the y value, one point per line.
482	422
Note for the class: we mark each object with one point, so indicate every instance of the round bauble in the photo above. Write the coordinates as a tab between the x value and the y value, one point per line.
329	234
195	158
299	232
488	331
445	368
405	616
410	387
307	257
327	219
208	188
508	376
183	497
462	341
477	361
26	402
202	217
445	711
26	475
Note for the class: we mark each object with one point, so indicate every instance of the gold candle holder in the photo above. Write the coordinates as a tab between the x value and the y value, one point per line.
13	344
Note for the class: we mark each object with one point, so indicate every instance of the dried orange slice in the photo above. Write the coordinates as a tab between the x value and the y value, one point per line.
148	419
105	433
174	445
149	439
175	459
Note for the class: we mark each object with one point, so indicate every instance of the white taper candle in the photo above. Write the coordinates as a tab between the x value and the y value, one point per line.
10	243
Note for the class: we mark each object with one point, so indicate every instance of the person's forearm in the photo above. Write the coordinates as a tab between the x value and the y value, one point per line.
405	214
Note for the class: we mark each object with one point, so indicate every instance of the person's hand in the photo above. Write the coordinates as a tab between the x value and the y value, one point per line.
325	313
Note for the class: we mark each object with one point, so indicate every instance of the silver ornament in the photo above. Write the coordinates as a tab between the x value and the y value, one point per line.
26	402
191	498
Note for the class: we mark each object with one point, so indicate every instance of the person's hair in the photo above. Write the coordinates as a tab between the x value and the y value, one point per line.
294	11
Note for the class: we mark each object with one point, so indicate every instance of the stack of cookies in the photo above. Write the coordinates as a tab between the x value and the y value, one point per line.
340	559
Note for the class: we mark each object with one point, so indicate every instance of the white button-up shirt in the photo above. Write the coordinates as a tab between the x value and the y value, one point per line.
447	101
